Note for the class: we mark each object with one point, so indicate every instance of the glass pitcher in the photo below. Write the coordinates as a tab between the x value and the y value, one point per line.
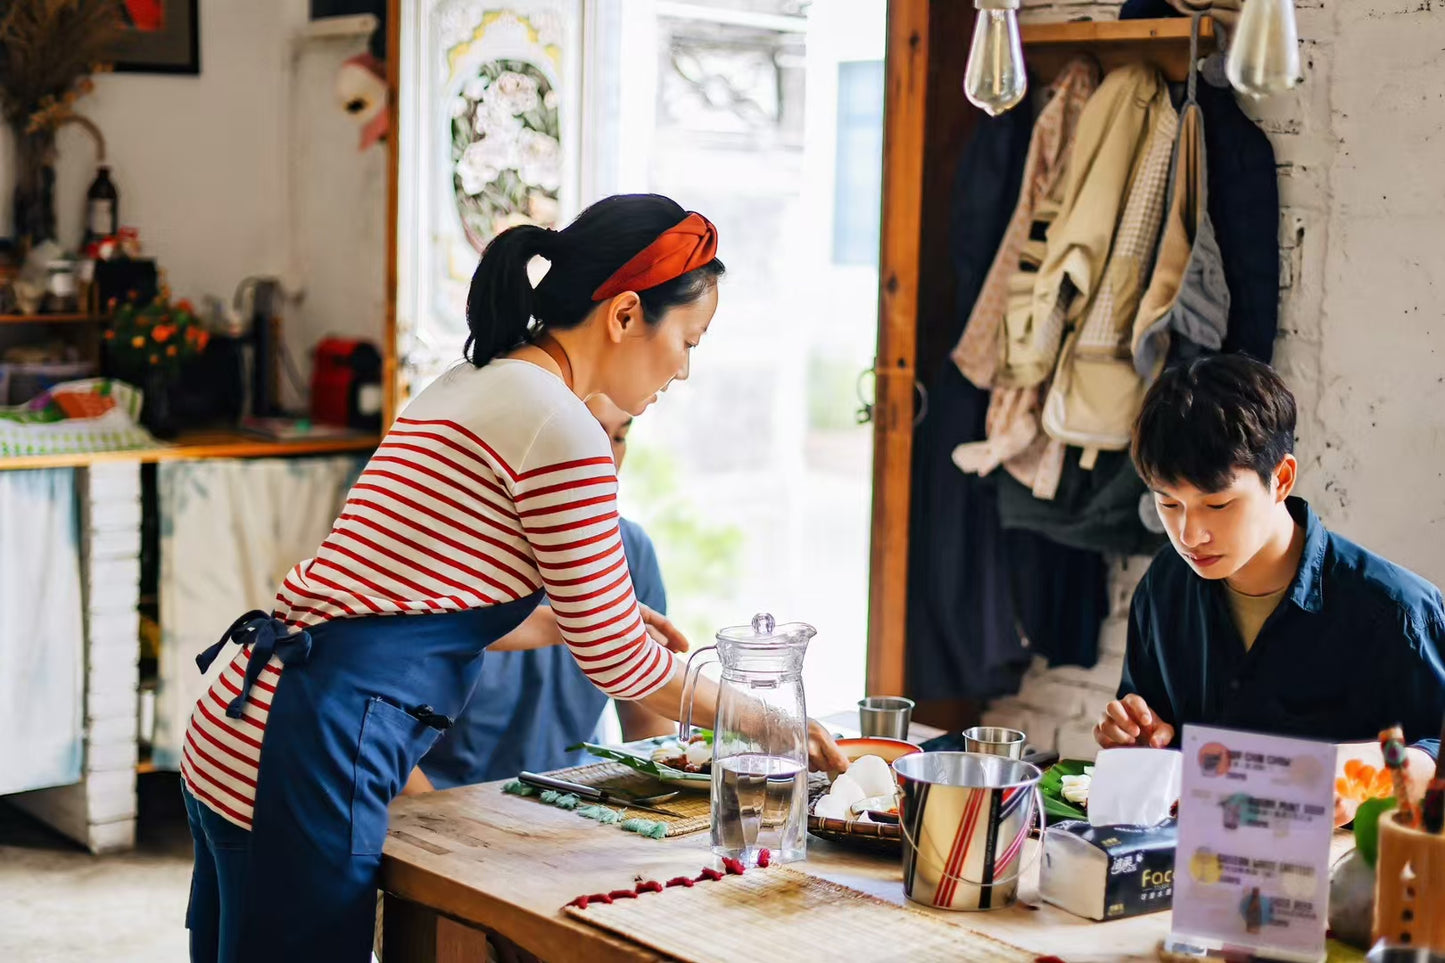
760	739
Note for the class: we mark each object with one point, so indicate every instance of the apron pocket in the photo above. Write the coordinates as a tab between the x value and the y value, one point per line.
392	743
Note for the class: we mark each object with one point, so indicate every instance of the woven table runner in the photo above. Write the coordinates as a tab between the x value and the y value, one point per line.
783	914
695	808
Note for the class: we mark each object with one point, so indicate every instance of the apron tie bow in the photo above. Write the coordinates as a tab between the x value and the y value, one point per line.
267	636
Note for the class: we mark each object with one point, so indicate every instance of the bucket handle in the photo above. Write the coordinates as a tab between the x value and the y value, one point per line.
1023	866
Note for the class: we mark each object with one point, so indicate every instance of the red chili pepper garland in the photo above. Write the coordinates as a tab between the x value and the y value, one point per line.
731	867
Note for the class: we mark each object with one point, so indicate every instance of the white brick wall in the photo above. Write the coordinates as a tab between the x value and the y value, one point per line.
100	810
1360	146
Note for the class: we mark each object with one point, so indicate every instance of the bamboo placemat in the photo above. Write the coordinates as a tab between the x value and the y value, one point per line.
695	807
782	914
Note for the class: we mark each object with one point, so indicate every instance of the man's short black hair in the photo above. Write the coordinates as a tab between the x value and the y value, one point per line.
1203	420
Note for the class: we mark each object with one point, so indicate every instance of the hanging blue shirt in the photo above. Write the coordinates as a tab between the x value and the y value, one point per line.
530	706
1355	646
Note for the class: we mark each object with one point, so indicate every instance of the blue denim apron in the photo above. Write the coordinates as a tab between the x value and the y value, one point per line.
359	703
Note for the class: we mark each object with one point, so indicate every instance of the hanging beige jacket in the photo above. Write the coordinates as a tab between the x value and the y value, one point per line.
1114	129
977	351
1096	392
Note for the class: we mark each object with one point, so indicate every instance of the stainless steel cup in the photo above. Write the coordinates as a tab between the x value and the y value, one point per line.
994	741
886	716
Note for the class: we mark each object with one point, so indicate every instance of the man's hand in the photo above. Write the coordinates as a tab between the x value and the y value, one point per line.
1130	722
662	631
823	753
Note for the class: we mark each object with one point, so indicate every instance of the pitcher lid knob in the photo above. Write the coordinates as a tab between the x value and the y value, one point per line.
763	623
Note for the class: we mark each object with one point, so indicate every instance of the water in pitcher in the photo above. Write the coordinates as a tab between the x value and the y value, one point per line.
760	802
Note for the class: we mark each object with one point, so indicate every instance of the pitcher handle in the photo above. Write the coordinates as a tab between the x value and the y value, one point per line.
689	687
1023	866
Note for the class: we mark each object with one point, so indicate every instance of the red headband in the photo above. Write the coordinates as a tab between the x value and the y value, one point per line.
685	247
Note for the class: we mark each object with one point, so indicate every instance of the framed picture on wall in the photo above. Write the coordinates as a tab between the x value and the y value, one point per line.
490	115
160	37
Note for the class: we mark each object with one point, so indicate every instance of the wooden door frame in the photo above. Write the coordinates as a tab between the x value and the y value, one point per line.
904	127
390	362
926	123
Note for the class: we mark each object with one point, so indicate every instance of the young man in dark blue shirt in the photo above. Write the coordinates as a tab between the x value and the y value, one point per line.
1256	616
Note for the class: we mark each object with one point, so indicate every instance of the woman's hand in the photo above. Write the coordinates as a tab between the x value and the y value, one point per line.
823	753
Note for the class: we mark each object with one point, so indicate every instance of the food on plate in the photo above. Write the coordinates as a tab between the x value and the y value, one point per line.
873	775
867	778
1075	789
693	756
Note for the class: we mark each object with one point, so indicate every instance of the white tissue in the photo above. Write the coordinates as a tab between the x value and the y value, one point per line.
1134	786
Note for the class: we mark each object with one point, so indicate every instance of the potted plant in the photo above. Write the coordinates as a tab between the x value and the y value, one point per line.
148	344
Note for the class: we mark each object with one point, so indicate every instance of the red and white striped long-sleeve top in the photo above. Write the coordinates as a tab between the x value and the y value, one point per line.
496	482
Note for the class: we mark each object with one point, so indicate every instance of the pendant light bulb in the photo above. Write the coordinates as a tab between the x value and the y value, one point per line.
1264	50
995	78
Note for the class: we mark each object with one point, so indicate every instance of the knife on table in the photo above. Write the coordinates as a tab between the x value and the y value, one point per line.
588	792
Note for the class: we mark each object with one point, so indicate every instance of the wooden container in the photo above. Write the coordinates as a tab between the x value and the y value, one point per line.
1410	888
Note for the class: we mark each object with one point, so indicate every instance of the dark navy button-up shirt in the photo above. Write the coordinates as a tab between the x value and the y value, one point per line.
1354	647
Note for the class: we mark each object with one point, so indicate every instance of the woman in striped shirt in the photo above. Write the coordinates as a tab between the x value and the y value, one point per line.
495	487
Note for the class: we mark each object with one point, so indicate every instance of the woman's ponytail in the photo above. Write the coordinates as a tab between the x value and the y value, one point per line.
500	303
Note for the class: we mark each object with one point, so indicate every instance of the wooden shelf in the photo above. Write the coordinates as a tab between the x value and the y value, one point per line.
51	318
144	766
198	445
1164	42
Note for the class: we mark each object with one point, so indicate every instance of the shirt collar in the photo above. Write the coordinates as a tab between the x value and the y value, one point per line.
1307	590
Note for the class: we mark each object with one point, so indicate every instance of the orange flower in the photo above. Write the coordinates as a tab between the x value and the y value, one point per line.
185	305
171	351
162	333
110	336
155	359
203	339
1362	781
138	342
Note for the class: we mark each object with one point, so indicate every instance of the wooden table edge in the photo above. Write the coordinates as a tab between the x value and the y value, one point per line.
550	938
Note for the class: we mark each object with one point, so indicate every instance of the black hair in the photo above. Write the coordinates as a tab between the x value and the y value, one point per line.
502	304
1203	420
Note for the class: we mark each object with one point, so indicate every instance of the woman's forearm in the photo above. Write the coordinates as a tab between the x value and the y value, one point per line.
667	701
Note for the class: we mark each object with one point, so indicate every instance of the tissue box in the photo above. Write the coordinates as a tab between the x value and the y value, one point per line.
1109	872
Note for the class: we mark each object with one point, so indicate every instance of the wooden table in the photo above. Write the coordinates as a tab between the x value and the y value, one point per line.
475	859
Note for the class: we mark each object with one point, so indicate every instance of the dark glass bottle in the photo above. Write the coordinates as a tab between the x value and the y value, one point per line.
102	207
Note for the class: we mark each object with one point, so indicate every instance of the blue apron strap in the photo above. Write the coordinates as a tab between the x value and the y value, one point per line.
267	637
